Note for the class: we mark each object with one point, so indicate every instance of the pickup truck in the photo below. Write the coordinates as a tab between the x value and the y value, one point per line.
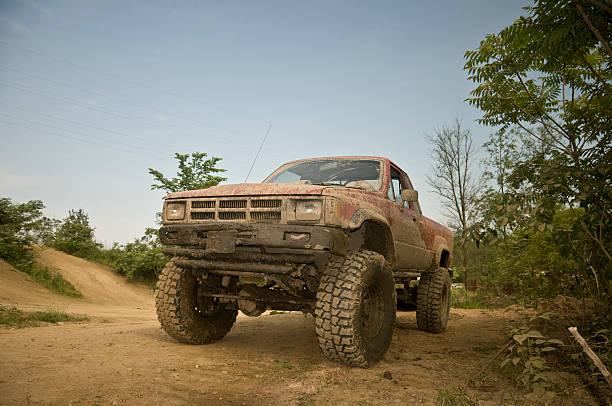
341	238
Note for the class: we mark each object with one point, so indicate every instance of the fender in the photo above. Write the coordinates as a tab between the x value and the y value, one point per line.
440	244
362	215
372	231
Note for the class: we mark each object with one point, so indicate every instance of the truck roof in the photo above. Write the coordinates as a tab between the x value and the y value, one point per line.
382	158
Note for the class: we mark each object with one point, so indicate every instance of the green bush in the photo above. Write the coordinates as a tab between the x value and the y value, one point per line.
75	236
18	223
141	259
50	280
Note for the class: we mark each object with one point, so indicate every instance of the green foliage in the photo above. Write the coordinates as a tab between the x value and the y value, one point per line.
456	396
21	225
75	236
13	317
548	77
18	222
197	173
539	262
141	259
526	358
460	299
50	280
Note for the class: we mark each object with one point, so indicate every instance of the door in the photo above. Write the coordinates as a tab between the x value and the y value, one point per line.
404	218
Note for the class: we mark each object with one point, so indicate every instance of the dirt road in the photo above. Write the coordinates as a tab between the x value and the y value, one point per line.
122	357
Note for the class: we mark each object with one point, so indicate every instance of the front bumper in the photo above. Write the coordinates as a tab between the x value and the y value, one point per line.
227	238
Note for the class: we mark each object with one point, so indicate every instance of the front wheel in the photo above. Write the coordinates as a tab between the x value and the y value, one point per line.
433	300
184	313
355	309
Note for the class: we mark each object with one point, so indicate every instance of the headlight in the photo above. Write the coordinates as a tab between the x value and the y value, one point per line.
175	211
308	209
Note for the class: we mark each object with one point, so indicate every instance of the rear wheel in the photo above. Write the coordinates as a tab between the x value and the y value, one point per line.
355	309
433	300
184	313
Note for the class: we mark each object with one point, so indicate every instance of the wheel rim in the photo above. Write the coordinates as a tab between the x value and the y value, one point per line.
372	311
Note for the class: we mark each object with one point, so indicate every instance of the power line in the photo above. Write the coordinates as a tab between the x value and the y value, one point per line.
65	130
70	86
105	73
91	106
146	140
112	147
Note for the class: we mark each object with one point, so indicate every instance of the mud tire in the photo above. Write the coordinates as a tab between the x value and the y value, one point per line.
175	303
355	308
433	300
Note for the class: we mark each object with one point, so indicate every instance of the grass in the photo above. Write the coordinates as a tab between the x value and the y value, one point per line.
457	396
13	317
460	300
485	349
49	279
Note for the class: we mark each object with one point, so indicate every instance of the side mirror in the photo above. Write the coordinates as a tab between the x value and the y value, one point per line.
410	195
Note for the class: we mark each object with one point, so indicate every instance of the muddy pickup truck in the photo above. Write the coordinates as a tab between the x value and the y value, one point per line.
342	238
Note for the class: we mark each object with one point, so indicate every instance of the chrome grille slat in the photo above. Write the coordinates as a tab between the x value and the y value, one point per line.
265	204
203	204
247	209
232	215
266	215
202	215
232	204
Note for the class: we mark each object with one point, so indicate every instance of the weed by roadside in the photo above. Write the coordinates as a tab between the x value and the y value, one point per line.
13	317
49	279
456	396
471	300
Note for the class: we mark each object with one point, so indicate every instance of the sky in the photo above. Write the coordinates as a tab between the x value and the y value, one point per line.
93	93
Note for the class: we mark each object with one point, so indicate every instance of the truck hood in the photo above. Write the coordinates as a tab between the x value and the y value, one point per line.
251	189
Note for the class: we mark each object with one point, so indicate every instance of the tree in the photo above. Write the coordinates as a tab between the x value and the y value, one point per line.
452	154
197	173
549	74
502	156
18	223
75	236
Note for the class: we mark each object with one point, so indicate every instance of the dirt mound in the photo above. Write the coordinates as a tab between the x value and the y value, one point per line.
18	289
98	283
105	294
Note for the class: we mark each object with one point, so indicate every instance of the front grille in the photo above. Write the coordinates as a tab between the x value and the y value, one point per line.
266	215
203	204
202	215
265	204
232	204
240	209
232	215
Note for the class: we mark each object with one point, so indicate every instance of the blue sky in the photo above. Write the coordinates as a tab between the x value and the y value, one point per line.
92	93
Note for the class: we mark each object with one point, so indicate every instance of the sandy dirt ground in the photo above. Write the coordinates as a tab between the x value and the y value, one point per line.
122	357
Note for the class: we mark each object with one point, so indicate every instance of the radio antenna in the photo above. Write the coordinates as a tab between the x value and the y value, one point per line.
258	151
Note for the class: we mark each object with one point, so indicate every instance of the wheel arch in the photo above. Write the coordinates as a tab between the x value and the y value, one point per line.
443	253
371	231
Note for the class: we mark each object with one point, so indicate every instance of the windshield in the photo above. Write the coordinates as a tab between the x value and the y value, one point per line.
358	173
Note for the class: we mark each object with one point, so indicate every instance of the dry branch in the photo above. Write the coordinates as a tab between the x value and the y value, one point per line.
604	371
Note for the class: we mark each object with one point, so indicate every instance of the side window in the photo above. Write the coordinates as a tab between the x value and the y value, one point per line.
391	193
395	187
408	185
